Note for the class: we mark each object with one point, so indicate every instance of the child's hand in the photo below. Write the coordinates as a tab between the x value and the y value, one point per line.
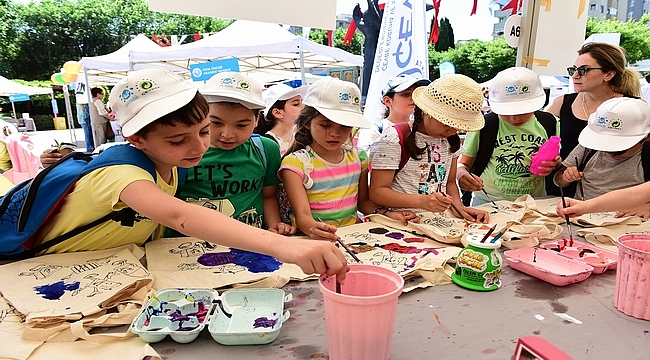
642	211
476	215
283	229
547	166
571	174
403	216
574	208
470	183
436	202
313	257
322	231
48	158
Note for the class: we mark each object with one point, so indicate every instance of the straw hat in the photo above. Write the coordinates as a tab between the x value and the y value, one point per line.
455	100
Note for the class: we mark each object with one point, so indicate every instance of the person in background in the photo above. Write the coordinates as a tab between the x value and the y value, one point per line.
599	74
645	90
282	107
99	116
83	116
397	99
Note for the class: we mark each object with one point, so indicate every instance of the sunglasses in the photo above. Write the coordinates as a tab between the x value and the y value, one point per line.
582	71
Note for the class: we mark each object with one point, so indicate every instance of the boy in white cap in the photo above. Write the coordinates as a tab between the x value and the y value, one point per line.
397	99
237	176
497	158
166	119
610	149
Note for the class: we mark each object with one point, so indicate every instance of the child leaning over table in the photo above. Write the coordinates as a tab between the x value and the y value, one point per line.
325	177
610	151
501	165
165	117
237	176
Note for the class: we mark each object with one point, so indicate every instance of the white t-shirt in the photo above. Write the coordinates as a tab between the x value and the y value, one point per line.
424	176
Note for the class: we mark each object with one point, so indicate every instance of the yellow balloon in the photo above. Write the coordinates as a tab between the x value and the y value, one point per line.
69	77
56	78
71	67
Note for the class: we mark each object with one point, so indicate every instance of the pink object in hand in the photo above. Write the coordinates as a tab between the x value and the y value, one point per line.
633	275
547	152
548	265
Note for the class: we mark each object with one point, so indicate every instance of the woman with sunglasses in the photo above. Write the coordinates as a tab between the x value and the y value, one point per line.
598	74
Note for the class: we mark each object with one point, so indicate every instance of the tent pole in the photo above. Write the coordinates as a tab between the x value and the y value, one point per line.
90	103
13	107
302	68
68	112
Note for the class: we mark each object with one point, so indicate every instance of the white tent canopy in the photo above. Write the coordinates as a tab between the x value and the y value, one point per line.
110	68
257	45
8	87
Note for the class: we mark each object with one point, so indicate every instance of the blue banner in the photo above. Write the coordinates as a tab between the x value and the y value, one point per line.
204	71
18	97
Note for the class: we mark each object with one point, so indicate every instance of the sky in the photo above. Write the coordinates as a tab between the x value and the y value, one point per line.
465	27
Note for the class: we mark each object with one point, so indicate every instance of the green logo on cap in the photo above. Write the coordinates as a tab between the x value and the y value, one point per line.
616	124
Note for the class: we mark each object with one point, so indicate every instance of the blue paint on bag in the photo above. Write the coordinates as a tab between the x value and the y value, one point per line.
254	262
56	290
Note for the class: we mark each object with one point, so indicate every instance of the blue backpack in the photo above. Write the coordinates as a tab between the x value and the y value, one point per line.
30	204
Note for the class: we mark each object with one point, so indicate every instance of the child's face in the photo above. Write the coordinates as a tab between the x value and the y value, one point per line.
435	128
292	109
179	145
230	125
401	103
328	135
517	120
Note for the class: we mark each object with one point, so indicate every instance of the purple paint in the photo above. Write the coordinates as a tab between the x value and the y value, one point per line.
55	290
395	235
254	262
264	322
216	259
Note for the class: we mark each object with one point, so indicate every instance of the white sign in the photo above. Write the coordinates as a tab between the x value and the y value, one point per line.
319	14
401	49
512	30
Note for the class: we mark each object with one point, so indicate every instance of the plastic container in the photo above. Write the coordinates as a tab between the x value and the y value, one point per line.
360	320
633	276
180	313
249	316
59	123
547	152
478	266
548	265
601	259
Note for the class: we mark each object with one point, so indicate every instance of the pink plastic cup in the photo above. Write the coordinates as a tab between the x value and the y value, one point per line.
633	276
360	320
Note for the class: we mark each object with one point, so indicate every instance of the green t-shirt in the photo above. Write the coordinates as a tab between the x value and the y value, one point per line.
231	181
507	175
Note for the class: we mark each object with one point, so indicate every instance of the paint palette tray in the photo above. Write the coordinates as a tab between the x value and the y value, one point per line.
180	313
249	316
601	259
548	265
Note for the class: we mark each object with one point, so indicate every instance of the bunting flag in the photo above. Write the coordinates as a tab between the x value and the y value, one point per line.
514	5
330	42
474	8
350	33
197	37
434	27
162	41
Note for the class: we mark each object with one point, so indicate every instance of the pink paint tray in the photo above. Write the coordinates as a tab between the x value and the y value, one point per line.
548	265
601	259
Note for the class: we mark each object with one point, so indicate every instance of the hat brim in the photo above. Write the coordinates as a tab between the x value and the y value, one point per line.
235	99
302	91
519	107
474	124
157	109
345	118
407	84
593	140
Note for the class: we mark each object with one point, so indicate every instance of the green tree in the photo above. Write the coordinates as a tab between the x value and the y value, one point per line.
635	35
480	60
320	36
445	37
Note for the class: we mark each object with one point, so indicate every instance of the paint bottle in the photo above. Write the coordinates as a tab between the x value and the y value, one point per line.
547	152
478	265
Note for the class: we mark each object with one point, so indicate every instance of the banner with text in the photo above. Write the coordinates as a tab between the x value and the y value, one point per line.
401	49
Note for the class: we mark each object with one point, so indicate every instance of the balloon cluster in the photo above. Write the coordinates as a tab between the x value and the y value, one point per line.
68	74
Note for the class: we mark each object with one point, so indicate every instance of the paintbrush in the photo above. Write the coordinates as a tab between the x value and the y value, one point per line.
485	192
568	222
488	233
338	239
338	286
500	234
452	204
582	192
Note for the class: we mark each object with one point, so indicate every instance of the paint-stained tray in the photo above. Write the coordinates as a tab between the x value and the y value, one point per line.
249	316
601	259
548	265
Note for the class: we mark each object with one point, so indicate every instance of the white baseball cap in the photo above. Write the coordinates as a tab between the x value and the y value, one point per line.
234	87
280	92
144	96
401	83
516	90
337	100
617	124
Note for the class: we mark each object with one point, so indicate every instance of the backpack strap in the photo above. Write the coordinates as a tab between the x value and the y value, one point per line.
645	161
260	146
403	131
487	139
548	121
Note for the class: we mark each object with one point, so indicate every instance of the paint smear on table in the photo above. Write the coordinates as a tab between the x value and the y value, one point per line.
254	262
55	290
